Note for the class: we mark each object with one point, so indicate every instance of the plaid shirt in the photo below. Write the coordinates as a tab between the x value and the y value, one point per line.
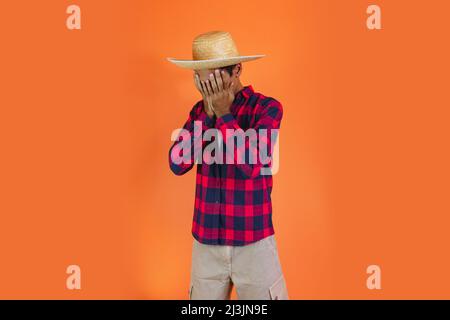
232	200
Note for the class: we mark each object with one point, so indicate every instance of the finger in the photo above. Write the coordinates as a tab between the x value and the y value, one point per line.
230	88
226	80
197	82
219	80
208	86
212	80
210	105
205	90
206	104
200	87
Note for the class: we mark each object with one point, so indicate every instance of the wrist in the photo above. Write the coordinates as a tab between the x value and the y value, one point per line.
222	110
220	114
225	121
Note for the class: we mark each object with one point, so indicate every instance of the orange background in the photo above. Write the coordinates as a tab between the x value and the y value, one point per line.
85	124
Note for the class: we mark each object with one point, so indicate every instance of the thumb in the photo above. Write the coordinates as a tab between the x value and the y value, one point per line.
210	105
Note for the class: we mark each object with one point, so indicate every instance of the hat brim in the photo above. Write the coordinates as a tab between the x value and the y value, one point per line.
213	63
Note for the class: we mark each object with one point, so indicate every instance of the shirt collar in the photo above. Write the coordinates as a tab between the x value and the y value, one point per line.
246	92
241	97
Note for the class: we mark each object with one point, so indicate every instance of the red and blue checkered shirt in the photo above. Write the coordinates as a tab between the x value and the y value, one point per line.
232	200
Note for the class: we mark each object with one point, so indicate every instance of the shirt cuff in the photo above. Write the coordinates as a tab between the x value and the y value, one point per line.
206	120
226	118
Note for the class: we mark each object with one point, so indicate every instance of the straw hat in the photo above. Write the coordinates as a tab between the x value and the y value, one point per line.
214	49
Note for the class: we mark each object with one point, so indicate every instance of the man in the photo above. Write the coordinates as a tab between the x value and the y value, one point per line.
234	243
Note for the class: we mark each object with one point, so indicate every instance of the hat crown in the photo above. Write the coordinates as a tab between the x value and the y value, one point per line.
214	45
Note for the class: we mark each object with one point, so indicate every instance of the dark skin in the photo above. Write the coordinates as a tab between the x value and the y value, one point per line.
218	89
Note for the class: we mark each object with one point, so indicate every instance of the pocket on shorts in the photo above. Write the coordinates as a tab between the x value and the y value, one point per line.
278	290
191	287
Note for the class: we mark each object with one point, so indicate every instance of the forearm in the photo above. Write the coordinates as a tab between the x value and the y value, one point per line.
189	145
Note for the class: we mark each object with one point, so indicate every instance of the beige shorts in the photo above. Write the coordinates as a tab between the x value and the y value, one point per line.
254	269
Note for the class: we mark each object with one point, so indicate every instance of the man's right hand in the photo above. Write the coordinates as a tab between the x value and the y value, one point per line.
207	103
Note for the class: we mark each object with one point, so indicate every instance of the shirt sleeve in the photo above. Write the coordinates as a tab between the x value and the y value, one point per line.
269	118
188	145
